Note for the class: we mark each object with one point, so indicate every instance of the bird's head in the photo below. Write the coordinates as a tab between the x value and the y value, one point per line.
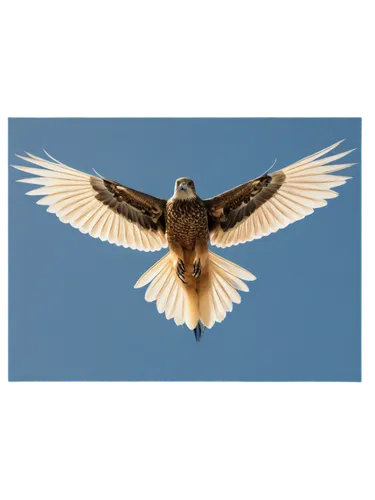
184	189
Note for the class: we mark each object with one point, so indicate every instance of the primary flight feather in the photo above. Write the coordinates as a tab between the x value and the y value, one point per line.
190	284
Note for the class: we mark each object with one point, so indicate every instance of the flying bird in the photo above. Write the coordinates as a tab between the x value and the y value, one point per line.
190	284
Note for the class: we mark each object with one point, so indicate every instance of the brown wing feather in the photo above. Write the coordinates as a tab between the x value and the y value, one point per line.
234	205
103	208
273	201
135	206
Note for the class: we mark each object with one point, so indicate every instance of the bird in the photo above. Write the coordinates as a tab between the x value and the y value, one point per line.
190	283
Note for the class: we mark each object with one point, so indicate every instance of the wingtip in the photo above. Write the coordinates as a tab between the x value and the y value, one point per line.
17	167
336	144
28	158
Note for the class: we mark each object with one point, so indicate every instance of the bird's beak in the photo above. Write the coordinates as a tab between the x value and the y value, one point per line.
182	186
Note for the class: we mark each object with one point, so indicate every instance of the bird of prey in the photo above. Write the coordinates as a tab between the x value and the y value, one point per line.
190	284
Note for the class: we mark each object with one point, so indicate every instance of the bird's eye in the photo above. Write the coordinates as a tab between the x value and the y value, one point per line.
190	184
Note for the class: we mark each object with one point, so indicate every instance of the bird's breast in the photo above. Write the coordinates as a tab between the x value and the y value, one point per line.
186	222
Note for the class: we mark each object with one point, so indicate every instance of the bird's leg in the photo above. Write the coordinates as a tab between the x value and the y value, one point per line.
201	255
178	257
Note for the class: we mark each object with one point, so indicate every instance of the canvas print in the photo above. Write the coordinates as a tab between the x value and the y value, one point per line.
193	284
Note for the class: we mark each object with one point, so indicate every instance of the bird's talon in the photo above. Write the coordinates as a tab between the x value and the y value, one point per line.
182	278
197	269
181	270
181	265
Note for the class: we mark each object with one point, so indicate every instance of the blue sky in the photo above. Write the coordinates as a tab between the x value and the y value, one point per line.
73	312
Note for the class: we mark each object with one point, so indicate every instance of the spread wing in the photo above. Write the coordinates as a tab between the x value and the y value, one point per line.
100	207
273	201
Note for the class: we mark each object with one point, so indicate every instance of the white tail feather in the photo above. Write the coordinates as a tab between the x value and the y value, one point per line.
205	300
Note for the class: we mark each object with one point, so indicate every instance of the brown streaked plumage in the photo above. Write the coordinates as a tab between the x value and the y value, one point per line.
189	284
186	222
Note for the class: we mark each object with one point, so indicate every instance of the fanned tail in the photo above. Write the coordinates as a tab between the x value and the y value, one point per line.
199	303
